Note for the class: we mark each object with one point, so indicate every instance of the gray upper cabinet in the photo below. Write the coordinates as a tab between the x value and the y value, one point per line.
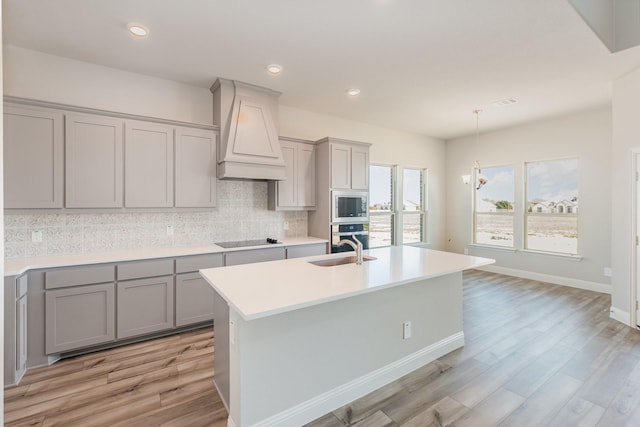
33	157
360	168
195	168
93	161
298	190
148	165
349	166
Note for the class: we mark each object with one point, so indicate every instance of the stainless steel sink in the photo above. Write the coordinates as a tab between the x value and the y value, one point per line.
332	262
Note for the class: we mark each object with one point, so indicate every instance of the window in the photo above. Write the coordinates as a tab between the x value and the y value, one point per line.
552	206
413	205
381	207
493	206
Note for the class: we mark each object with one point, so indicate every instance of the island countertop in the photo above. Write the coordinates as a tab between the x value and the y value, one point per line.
264	289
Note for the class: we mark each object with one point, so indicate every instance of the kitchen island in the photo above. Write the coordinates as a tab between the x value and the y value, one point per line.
295	340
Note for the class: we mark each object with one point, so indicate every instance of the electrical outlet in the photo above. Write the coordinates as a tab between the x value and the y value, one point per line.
285	225
169	230
36	236
406	330
608	272
466	251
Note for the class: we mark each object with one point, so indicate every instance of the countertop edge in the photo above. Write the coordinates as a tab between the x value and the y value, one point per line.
479	262
18	266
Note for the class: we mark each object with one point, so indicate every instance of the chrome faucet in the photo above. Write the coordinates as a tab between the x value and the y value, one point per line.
356	247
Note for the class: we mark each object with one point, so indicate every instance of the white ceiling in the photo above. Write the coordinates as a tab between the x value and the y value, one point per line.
423	65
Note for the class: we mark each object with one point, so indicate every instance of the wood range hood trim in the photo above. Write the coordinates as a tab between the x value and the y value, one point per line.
247	116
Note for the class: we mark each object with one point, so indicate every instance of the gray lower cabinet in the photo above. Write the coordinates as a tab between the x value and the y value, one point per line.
194	299
194	296
145	306
21	328
79	317
15	329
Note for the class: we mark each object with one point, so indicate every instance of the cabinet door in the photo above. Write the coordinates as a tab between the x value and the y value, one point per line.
148	165
21	337
306	175
360	168
288	189
33	158
340	166
79	317
145	306
194	299
93	148
195	168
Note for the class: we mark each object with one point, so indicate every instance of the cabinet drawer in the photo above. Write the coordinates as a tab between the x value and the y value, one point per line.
140	269
306	250
196	262
254	255
21	286
79	276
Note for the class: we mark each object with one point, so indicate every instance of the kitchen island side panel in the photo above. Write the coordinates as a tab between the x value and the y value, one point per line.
291	358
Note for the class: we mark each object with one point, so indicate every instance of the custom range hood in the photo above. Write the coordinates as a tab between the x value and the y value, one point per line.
249	146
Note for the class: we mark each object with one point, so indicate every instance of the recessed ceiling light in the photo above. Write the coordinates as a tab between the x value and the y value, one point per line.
138	30
274	69
353	92
505	102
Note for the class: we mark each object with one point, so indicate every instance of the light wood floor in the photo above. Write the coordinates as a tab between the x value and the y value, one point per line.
535	355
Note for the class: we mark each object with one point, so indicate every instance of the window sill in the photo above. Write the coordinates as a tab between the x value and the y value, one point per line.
527	251
552	254
492	248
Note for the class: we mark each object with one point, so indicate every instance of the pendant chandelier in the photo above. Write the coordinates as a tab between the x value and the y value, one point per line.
480	179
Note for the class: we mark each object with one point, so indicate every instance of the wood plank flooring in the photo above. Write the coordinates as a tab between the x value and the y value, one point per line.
162	382
535	355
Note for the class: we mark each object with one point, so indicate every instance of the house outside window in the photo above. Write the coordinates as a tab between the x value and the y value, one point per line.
494	196
381	205
552	206
414	210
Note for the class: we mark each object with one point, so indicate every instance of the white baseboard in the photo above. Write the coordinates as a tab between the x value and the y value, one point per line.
556	280
348	392
230	422
620	315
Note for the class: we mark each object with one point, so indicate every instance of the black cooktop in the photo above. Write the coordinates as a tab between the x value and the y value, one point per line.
241	243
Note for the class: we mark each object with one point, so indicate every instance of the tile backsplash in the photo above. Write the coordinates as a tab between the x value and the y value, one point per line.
241	215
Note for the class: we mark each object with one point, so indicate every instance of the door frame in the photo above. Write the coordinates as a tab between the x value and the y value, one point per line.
635	228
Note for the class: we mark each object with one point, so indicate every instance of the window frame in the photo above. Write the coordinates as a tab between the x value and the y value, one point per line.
474	211
393	212
424	208
526	213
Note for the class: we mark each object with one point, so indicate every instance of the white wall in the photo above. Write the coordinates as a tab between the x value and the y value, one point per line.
389	146
626	140
586	136
35	75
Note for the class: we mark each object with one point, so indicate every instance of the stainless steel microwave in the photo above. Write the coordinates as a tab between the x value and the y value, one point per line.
350	206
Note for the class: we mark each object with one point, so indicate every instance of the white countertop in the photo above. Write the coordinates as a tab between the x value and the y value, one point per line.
269	288
13	267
